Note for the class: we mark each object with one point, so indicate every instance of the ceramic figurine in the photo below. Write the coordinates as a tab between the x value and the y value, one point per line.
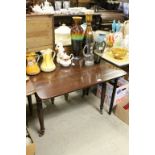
43	8
62	57
47	8
37	9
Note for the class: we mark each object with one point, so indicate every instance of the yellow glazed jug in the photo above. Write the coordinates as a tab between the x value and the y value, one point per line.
32	67
47	64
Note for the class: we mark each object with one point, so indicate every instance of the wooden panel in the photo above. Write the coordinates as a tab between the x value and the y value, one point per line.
111	15
39	32
84	1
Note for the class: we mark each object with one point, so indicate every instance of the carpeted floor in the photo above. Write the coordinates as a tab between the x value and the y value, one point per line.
77	128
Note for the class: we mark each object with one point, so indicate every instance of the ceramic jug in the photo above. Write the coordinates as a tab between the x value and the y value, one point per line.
100	45
32	67
126	28
66	60
47	64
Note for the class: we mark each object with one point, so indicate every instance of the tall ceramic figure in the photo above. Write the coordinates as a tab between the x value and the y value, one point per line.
77	35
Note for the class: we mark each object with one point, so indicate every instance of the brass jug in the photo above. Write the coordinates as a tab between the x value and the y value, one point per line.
47	64
32	67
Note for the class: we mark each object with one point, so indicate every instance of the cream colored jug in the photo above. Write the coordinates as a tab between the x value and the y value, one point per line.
126	28
47	64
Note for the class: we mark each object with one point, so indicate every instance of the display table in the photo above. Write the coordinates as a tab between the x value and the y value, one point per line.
108	57
123	64
65	80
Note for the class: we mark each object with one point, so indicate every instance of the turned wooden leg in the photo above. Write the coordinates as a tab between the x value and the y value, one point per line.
40	115
87	90
113	96
52	100
66	96
29	97
83	92
102	97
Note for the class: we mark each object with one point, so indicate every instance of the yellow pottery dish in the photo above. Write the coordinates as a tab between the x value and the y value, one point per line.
32	67
119	53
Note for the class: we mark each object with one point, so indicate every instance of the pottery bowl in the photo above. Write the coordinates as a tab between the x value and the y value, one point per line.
119	53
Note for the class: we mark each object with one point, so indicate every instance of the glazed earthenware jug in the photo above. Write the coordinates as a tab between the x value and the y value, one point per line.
66	60
47	64
32	67
100	45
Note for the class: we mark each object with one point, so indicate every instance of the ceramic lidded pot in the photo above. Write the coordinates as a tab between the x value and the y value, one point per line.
62	34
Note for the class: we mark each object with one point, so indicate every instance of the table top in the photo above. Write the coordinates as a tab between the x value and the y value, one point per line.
65	80
29	88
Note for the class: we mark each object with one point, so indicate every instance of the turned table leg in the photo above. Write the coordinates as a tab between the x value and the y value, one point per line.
83	92
113	96
87	91
66	96
29	97
52	100
102	97
40	115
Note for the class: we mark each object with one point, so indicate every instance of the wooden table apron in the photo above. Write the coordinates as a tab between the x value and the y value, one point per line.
65	80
